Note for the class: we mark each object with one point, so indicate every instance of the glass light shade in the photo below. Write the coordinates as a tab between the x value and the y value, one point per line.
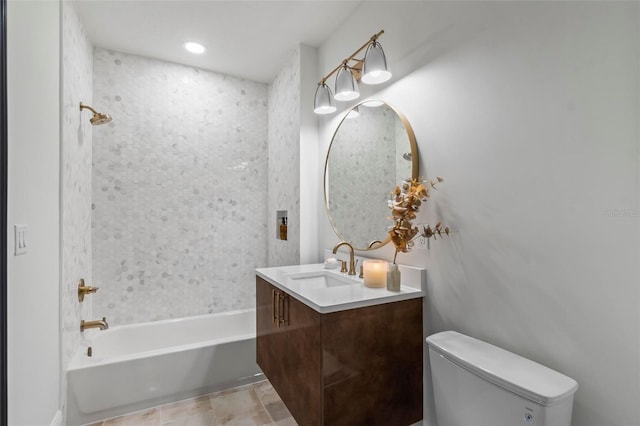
375	69
323	101
346	85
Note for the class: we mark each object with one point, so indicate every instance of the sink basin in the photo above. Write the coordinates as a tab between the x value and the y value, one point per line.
319	280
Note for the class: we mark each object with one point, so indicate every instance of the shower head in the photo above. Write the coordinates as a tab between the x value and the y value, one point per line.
98	117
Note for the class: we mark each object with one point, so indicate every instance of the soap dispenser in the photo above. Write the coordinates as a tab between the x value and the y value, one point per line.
283	229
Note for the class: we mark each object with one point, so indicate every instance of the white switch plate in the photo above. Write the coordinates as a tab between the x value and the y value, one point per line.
21	246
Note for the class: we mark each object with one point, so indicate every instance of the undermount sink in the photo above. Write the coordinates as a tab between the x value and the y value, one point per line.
320	280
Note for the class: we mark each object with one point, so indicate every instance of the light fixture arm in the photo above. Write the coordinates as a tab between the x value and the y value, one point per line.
346	61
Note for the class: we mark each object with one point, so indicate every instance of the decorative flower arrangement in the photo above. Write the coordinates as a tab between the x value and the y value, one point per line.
405	202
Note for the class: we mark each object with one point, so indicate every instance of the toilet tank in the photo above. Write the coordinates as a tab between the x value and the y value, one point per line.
478	384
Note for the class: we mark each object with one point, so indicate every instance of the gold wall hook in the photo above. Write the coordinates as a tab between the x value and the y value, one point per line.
84	289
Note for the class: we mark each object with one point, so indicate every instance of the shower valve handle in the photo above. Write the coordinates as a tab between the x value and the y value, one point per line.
85	289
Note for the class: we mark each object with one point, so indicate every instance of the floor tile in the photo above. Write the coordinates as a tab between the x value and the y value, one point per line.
191	412
256	404
241	407
143	418
289	421
272	402
250	419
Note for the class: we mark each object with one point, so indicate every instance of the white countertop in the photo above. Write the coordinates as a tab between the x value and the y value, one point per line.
350	293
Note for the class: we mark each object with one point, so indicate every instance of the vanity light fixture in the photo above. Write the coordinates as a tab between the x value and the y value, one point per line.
375	69
346	85
372	69
323	101
193	47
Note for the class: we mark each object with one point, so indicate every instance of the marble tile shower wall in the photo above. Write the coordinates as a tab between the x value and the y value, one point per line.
77	70
179	189
284	161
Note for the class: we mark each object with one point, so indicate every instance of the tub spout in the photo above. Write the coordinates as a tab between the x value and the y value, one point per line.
101	324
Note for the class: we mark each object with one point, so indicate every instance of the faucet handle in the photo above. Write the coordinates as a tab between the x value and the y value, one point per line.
344	265
84	289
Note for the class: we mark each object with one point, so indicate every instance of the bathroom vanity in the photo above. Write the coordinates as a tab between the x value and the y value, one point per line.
337	352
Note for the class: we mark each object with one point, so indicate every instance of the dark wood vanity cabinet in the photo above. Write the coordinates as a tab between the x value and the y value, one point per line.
359	366
288	353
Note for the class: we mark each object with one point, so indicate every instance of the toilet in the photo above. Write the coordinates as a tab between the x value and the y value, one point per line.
478	384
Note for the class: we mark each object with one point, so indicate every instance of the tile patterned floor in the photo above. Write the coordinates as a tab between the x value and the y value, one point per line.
257	404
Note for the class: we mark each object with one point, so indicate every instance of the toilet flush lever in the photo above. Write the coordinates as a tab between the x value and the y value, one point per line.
84	289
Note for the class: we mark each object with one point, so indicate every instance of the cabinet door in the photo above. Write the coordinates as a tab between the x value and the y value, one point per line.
291	355
265	326
373	365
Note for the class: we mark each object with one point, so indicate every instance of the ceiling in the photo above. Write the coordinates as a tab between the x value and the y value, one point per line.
247	39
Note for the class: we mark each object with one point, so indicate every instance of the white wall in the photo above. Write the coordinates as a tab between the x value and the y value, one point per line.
34	142
529	111
308	154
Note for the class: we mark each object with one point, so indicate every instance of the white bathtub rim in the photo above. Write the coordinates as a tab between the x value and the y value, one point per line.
182	319
80	360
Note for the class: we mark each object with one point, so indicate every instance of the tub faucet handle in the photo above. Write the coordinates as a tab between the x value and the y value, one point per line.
84	289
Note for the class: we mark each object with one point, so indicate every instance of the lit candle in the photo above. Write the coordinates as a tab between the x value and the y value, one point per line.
375	273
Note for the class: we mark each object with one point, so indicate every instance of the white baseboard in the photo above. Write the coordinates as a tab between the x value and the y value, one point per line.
57	419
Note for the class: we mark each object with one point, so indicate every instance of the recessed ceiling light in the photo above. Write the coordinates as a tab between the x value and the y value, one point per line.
194	47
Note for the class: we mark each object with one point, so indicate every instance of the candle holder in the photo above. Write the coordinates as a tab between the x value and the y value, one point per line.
393	278
375	273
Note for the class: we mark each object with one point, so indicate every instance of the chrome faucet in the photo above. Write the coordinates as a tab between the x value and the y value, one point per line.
352	263
101	324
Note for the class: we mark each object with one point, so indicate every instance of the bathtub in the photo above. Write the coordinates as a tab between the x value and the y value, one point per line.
138	366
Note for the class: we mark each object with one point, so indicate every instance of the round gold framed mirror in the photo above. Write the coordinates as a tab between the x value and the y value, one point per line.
373	149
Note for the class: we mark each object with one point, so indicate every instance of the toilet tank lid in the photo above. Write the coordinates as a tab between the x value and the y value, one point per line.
507	370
